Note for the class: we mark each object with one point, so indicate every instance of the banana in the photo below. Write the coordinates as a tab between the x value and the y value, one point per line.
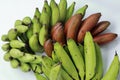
6	47
27	21
17	44
90	56
38	59
81	48
37	13
4	37
63	9
36	68
76	57
16	53
55	72
14	63
55	13
82	10
39	76
70	11
36	25
7	56
25	67
21	28
113	70
34	44
12	34
54	57
66	61
17	22
99	64
29	33
43	34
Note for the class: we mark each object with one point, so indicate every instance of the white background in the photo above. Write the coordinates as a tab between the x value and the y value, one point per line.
11	10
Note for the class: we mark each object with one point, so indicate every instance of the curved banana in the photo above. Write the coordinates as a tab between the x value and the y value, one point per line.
113	70
14	63
34	44
25	67
27	21
70	11
17	22
21	28
4	37
55	12
37	13
7	56
36	68
29	33
63	9
12	34
6	47
48	9
90	56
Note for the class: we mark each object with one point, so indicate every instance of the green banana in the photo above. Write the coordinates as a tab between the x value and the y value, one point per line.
113	70
99	64
16	53
82	10
38	59
17	44
63	9
76	57
90	56
66	61
70	11
34	44
37	13
55	13
7	57
14	63
46	70
21	28
55	72
17	22
29	33
36	25
25	67
43	34
81	48
27	21
39	76
54	57
12	34
4	37
6	47
36	68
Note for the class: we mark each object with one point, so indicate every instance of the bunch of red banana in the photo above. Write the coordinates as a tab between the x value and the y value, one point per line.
76	28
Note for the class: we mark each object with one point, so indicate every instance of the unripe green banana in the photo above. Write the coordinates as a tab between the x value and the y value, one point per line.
6	47
66	61
34	44
17	22
55	72
14	63
90	56
15	53
81	48
76	57
99	63
4	37
12	34
36	25
43	34
45	17
55	12
46	70
54	57
63	9
113	70
25	67
27	20
29	33
40	76
36	68
82	10
21	28
37	13
38	59
27	58
70	11
17	44
7	57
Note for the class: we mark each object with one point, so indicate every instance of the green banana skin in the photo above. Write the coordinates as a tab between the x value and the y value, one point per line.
15	53
99	64
17	22
113	70
12	34
17	44
38	59
21	28
70	11
36	68
82	10
29	33
55	13
54	57
4	37
36	25
43	34
63	9
37	13
6	47
55	72
76	57
27	21
66	61
25	67
90	56
39	76
34	44
81	48
14	63
7	56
